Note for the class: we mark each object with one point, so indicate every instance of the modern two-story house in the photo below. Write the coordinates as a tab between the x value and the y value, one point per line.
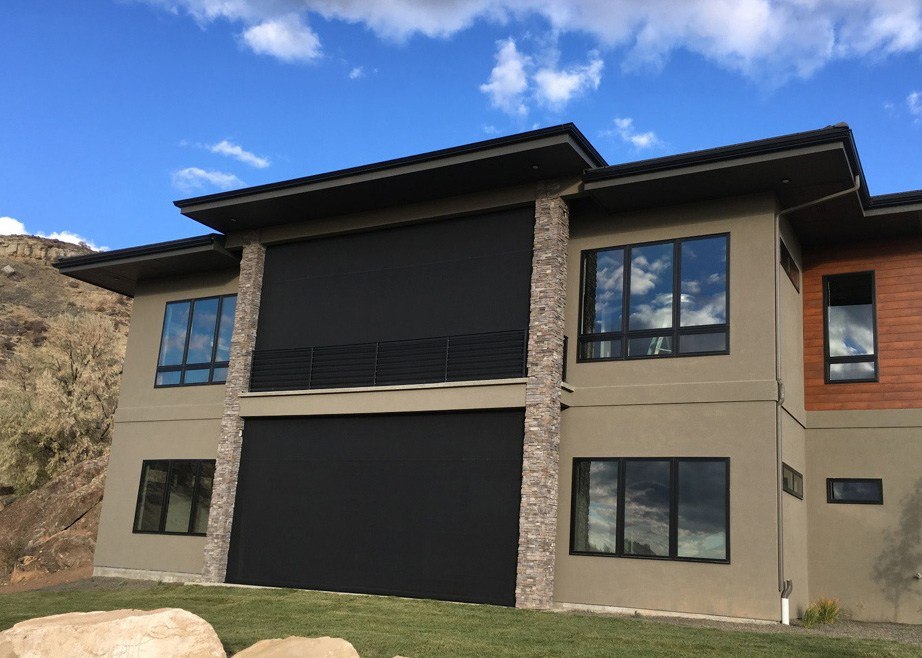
510	373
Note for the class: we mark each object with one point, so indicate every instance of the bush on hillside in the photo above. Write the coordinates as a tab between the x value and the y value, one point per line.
58	398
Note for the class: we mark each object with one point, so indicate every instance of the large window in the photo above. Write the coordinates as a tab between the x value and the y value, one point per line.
677	508
174	497
655	299
195	343
851	327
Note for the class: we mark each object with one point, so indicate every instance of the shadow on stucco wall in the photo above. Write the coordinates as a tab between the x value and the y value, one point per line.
901	557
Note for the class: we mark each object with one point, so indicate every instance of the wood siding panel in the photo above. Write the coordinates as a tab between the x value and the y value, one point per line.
897	267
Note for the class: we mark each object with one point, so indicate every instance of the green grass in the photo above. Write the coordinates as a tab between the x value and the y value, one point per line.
382	626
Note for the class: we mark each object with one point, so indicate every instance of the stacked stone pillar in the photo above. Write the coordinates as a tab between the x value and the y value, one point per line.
540	459
230	443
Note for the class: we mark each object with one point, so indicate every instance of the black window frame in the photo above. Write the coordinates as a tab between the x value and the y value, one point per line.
673	509
863	358
675	332
830	498
210	366
789	265
795	474
166	497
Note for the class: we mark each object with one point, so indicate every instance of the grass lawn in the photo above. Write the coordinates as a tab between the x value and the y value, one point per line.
382	626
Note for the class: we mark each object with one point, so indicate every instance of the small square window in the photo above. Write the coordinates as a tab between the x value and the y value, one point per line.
860	491
792	481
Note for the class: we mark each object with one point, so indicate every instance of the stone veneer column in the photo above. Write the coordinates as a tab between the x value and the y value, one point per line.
230	443
538	511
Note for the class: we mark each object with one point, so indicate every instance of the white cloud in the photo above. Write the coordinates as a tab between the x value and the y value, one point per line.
557	87
11	226
286	38
508	80
768	40
194	178
914	103
624	128
231	150
357	72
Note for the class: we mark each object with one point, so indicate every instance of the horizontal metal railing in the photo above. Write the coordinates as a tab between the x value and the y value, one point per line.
496	355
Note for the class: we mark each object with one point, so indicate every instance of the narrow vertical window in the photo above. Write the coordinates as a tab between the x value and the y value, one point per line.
596	506
789	266
602	304
702	509
151	496
646	507
851	327
195	345
792	481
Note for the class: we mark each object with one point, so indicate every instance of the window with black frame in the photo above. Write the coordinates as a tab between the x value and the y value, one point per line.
670	508
195	343
851	327
174	497
655	300
856	491
792	481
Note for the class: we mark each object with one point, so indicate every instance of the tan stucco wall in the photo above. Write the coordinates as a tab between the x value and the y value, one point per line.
792	332
750	222
137	388
493	394
116	544
165	423
742	431
861	554
794	513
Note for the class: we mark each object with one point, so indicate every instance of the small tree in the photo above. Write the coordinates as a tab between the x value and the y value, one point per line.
57	401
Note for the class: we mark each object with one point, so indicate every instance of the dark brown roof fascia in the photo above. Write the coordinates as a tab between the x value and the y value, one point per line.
155	249
838	132
568	129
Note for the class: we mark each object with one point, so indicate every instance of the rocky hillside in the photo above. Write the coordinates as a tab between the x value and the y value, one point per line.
32	291
53	528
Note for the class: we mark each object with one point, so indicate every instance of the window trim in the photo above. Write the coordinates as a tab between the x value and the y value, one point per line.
193	509
831	360
212	365
673	509
832	500
794	493
676	331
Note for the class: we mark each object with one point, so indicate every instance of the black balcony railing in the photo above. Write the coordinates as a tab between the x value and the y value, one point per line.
497	355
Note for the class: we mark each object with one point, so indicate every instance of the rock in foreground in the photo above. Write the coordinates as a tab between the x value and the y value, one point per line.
299	647
136	633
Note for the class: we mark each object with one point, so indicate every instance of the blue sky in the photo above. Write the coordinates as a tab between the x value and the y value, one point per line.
111	109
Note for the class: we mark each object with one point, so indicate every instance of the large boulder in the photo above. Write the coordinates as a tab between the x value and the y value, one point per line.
299	647
137	633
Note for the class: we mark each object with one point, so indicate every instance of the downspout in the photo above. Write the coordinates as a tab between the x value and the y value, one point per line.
786	586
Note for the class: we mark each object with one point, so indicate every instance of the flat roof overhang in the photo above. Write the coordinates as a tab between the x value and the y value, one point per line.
122	269
797	169
549	153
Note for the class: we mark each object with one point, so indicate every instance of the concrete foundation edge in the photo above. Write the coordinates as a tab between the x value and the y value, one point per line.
144	574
